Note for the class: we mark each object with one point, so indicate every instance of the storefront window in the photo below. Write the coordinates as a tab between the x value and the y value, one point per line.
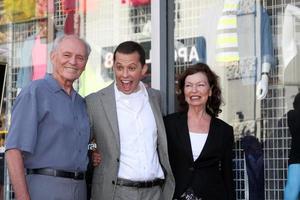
252	46
29	27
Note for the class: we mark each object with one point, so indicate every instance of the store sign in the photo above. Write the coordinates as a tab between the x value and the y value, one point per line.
182	55
186	54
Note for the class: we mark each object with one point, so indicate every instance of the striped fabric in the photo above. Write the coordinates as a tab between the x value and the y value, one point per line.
227	38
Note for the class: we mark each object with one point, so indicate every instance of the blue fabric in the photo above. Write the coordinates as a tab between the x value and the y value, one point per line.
267	54
254	166
201	49
50	127
24	76
292	188
266	40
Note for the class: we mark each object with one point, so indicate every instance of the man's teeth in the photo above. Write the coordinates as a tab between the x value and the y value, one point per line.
125	82
71	69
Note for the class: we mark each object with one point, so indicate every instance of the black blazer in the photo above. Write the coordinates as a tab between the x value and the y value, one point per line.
211	174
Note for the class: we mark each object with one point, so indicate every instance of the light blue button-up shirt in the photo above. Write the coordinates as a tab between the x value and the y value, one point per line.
50	127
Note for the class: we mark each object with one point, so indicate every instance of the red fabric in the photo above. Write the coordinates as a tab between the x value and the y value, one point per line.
69	6
136	3
69	24
140	2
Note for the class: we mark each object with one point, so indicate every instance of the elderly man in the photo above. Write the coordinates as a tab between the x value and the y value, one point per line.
47	143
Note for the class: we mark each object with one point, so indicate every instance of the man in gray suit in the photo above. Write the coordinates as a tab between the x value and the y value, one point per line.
130	135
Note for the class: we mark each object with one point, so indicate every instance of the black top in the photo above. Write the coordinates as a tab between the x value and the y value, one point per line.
210	175
294	126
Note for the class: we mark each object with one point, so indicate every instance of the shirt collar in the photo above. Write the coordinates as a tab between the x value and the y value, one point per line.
142	91
55	87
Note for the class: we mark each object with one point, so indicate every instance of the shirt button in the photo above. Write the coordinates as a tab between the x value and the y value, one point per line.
79	151
118	160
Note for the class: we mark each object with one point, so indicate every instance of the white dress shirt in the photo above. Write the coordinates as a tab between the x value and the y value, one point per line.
138	137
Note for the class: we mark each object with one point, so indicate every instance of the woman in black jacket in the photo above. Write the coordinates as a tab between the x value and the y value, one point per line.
292	189
199	144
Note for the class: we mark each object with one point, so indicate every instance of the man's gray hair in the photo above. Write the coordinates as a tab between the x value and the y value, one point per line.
61	38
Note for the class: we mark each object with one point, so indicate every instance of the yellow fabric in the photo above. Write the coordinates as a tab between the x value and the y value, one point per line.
228	21
227	38
228	58
19	10
224	40
230	6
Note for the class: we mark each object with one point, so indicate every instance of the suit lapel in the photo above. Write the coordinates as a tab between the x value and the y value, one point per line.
183	135
156	112
210	139
109	105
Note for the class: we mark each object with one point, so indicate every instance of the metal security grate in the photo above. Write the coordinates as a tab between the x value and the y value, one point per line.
274	108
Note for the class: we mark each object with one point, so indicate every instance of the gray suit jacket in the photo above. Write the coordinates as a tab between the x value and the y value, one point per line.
104	126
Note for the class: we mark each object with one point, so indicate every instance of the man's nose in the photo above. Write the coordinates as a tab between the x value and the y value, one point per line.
72	60
125	73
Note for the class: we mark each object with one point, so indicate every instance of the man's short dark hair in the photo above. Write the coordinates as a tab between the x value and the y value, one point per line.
129	47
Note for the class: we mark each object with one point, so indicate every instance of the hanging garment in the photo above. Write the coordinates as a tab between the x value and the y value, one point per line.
227	38
39	59
254	166
19	10
69	6
136	3
289	46
200	45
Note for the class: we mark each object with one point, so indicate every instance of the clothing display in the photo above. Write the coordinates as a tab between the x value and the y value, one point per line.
39	59
254	166
290	56
136	2
227	38
289	46
18	10
200	45
34	60
242	76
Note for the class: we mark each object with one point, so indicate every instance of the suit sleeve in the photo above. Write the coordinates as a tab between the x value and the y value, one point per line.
89	110
227	163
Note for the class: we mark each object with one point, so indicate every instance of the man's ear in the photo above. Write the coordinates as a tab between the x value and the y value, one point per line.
144	69
52	56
